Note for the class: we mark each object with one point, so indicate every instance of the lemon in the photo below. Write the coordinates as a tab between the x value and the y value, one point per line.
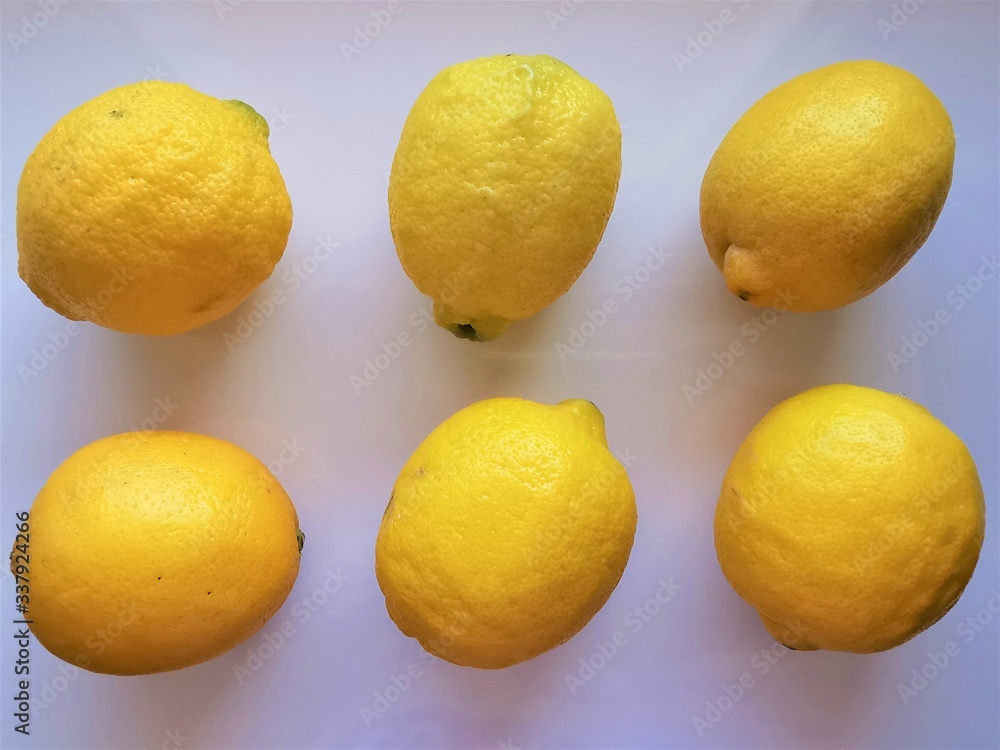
507	530
501	187
827	186
851	519
151	209
152	551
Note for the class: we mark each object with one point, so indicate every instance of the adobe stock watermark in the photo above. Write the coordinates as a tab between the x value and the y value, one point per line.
97	643
32	24
173	739
279	120
751	331
632	624
732	693
276	634
714	28
163	409
623	290
559	14
400	684
938	661
954	302
390	351
41	357
901	13
224	7
130	439
380	20
266	305
156	73
290	451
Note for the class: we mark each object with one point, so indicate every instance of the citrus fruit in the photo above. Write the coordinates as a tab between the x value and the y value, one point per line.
851	519
501	187
507	530
152	551
151	209
827	186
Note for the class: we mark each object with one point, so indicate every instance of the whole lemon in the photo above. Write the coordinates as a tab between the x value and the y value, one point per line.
151	209
501	187
507	530
827	186
152	551
851	519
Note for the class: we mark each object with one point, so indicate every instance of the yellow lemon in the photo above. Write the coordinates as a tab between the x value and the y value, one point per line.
151	209
501	187
507	530
851	519
152	551
827	186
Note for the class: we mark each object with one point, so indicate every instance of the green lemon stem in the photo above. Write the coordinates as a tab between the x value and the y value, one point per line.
257	117
589	414
484	328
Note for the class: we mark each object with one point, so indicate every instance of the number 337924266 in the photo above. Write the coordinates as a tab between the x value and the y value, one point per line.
20	558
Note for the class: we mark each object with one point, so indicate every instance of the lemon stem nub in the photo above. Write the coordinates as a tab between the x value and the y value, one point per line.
300	536
473	328
466	331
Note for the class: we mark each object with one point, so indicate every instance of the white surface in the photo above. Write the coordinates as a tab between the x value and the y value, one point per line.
290	381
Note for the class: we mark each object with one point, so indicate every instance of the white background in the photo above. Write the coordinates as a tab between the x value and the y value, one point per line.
335	124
